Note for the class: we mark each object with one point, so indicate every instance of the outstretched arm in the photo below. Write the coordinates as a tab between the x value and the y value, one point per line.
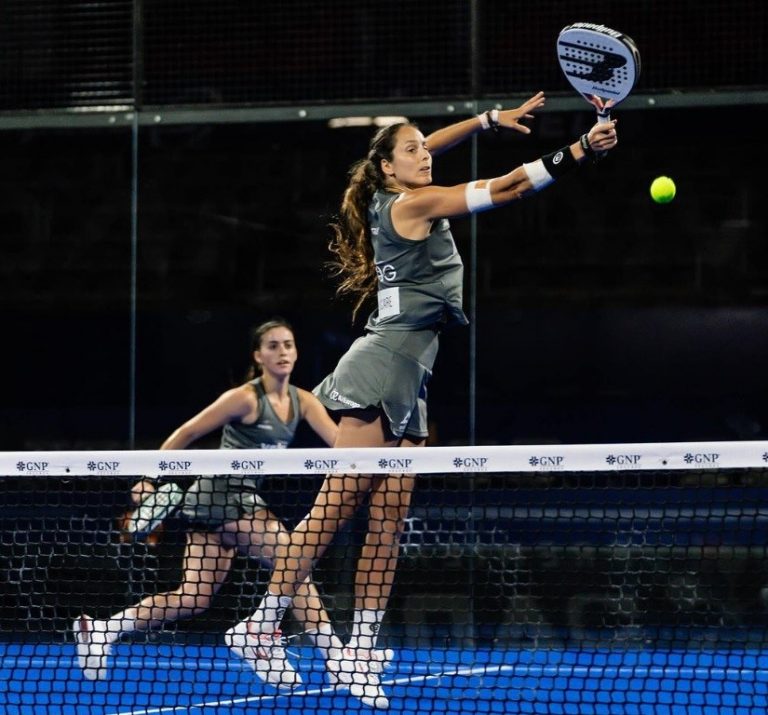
532	177
447	137
413	211
231	405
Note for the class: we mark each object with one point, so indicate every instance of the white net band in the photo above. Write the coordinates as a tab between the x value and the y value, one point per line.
430	460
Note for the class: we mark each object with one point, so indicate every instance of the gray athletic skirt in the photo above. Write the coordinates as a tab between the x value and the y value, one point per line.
215	500
388	371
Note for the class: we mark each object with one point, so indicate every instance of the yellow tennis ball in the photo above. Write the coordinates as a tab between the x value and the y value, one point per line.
663	190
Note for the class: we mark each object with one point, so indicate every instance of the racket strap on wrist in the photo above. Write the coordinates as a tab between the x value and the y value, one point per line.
589	152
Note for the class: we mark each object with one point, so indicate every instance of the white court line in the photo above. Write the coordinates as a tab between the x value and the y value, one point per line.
483	670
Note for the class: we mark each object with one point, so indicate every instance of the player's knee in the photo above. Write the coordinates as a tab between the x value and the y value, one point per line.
388	519
389	527
193	601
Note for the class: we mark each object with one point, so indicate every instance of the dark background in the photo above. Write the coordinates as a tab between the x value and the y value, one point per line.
167	175
164	186
600	316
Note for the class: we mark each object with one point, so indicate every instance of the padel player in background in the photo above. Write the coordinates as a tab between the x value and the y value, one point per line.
225	514
393	239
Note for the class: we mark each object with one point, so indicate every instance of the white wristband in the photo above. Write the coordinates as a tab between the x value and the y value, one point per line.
489	119
538	174
478	199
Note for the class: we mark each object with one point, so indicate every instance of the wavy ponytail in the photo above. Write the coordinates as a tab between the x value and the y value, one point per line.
351	244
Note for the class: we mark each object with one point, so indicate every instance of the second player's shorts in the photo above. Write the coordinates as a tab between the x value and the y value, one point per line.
214	500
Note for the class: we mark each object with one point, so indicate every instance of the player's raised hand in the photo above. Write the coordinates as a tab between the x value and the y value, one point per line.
511	118
602	136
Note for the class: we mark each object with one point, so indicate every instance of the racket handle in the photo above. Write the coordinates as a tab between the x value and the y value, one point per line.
602	118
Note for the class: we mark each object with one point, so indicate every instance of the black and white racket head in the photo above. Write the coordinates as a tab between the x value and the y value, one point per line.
598	61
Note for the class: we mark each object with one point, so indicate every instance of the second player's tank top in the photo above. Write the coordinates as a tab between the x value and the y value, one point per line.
269	431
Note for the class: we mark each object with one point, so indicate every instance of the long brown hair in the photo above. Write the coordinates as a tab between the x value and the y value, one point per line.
351	243
254	369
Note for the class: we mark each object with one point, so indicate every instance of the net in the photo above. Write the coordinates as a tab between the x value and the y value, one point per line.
532	579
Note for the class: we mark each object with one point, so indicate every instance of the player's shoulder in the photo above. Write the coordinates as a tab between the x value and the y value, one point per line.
242	394
243	402
419	197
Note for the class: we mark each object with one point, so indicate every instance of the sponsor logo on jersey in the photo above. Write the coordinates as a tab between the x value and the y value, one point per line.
336	397
386	273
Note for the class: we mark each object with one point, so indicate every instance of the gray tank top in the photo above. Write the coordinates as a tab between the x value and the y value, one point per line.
419	282
269	431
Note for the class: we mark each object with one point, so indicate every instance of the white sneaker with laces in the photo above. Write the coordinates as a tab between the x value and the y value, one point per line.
91	654
265	653
379	660
356	670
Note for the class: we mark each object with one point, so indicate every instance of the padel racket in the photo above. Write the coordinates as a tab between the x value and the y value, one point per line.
155	508
601	64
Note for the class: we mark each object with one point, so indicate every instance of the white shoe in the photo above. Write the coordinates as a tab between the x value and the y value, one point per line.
380	659
265	653
91	655
356	670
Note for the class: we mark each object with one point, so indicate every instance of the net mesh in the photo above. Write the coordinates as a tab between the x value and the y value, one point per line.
614	579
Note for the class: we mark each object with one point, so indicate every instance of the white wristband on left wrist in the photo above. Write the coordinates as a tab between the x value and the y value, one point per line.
489	119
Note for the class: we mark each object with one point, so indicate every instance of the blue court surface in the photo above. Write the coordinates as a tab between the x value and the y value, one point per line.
151	679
